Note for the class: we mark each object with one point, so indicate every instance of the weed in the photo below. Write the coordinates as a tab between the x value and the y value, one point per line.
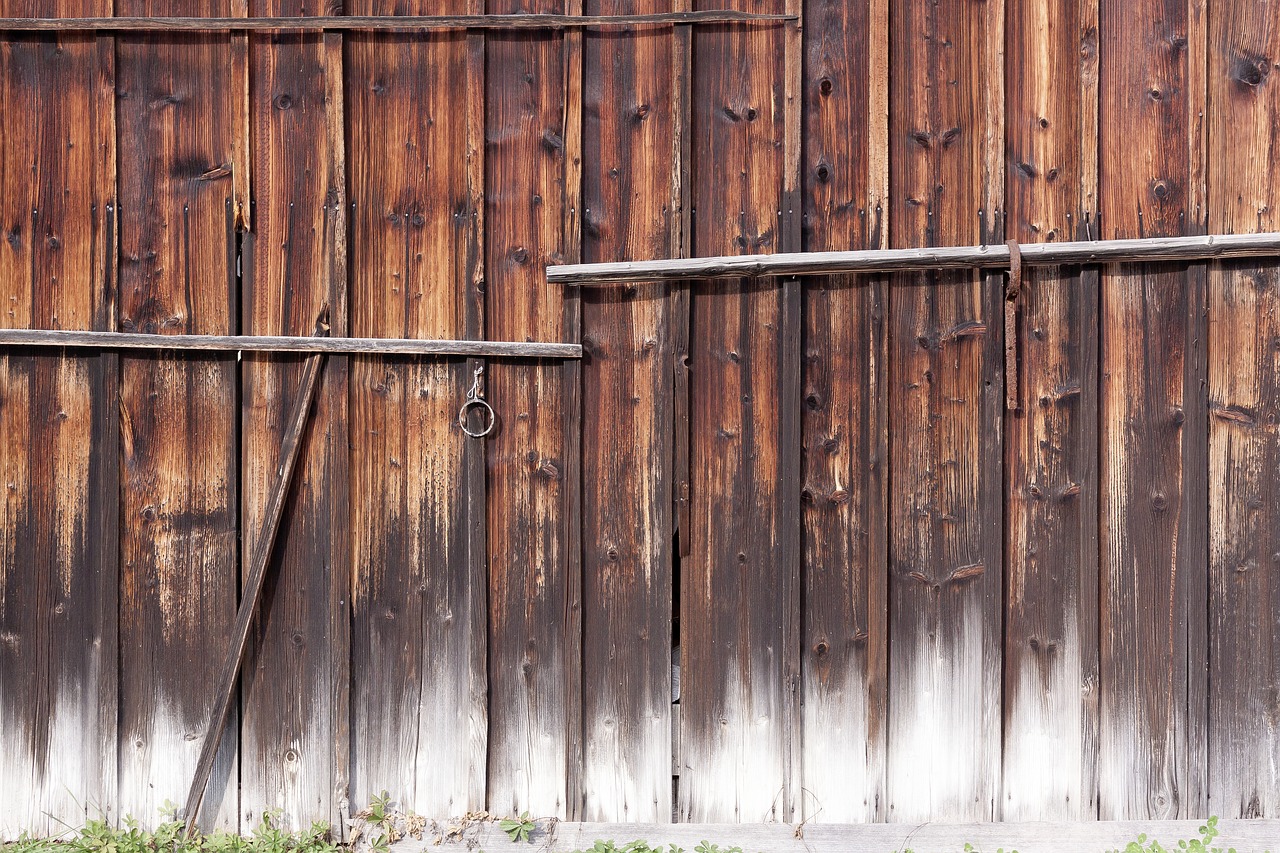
517	828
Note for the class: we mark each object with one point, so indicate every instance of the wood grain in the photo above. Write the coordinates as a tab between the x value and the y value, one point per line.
293	762
945	402
733	693
843	497
1152	423
626	427
418	684
58	560
178	424
1244	443
1051	559
529	603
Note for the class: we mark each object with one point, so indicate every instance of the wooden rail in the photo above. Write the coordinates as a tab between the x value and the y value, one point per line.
383	22
902	260
273	343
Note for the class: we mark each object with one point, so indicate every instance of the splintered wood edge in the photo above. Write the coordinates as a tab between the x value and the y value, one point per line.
1246	836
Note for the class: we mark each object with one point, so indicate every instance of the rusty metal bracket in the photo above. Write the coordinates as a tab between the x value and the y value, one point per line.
289	451
1012	290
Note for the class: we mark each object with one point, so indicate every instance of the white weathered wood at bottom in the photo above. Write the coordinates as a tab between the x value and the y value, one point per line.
1245	836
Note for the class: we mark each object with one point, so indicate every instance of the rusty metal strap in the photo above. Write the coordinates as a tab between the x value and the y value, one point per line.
1012	290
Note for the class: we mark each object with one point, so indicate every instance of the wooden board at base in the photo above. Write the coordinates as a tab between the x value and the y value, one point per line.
296	676
626	417
1244	427
178	419
58	432
1051	484
1152	420
418	676
946	401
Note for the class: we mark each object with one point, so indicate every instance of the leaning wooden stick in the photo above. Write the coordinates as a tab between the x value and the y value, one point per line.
258	563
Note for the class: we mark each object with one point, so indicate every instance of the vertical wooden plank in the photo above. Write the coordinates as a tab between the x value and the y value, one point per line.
734	694
530	601
945	402
1051	561
292	762
1153	421
178	421
418	686
1244	441
626	441
58	570
845	570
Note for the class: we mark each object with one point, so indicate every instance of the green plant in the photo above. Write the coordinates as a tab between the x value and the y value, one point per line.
517	828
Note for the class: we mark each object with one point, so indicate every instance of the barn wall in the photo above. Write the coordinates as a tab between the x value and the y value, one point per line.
893	591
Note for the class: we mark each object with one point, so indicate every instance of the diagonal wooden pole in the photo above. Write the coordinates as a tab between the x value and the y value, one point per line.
258	562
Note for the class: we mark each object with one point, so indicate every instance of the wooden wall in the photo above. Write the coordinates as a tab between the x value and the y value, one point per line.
891	594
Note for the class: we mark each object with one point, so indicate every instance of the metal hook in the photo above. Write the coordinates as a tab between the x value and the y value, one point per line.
475	400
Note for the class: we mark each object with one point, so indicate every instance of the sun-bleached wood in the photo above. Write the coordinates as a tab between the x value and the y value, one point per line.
901	260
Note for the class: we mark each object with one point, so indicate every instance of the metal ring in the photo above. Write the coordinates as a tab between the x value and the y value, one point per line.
462	418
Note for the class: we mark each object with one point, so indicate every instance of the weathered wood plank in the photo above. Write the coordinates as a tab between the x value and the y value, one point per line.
418	686
945	404
1244	440
843	498
1153	431
178	421
529	603
503	21
58	338
1039	837
986	257
58	561
290	709
733	738
626	422
1051	645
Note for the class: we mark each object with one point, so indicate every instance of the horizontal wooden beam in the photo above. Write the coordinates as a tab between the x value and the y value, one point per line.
1090	837
384	22
270	343
899	260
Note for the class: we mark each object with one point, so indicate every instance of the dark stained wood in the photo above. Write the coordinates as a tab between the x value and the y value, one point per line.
58	560
285	344
681	222
1244	399
178	423
530	595
296	677
843	497
1153	430
418	684
945	402
733	689
256	567
1051	558
627	505
502	21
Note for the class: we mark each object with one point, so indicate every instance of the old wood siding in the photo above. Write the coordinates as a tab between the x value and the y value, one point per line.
418	683
627	525
530	611
1153	496
1244	405
845	640
945	399
294	697
1051	558
178	436
58	576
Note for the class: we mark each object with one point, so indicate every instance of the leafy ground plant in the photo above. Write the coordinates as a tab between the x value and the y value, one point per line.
97	836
